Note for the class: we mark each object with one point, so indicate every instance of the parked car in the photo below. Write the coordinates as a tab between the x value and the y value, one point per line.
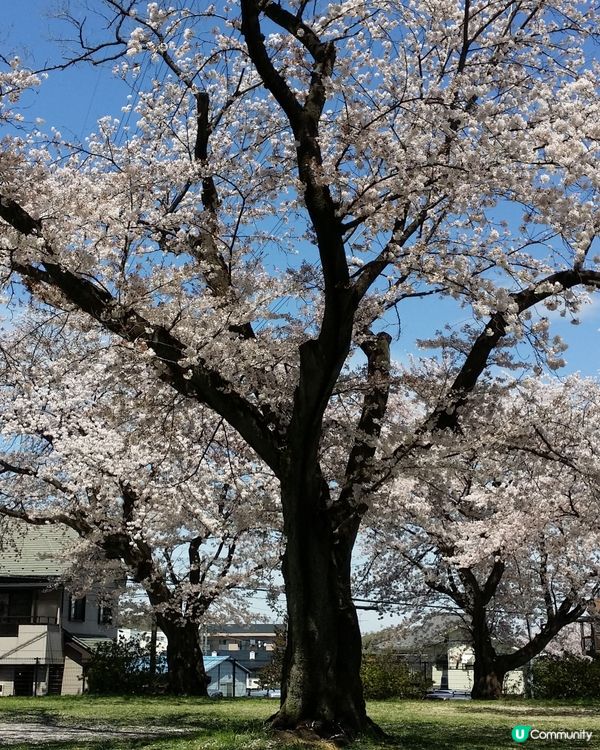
448	695
262	693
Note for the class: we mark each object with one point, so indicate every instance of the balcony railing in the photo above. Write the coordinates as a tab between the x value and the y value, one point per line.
9	624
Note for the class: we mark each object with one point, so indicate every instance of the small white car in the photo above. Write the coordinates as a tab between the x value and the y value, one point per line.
448	695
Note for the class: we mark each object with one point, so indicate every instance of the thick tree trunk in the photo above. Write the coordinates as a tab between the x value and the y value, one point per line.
184	654
184	657
488	676
490	668
321	685
488	681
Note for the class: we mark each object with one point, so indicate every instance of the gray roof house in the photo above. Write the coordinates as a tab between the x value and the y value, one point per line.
46	634
228	677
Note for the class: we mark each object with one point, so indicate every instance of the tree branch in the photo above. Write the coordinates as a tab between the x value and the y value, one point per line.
377	350
197	381
445	415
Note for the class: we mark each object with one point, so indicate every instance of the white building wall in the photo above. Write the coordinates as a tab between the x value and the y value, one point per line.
458	679
72	683
6	681
30	644
89	626
462	679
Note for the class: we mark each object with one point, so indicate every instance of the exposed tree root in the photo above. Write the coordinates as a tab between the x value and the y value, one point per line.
320	735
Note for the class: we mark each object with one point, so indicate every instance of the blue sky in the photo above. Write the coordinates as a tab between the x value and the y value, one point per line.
74	99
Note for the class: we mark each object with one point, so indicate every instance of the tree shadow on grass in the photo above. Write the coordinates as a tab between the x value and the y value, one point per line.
112	743
413	736
184	720
216	722
103	744
196	739
36	715
130	736
529	709
423	736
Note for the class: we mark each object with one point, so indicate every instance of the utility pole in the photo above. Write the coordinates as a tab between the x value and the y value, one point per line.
35	680
153	633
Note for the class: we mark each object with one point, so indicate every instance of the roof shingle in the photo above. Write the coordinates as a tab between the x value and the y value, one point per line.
30	551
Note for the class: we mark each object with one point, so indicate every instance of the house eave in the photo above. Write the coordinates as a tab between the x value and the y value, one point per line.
19	582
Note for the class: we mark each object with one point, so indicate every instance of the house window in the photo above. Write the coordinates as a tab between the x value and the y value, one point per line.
76	609
104	615
15	610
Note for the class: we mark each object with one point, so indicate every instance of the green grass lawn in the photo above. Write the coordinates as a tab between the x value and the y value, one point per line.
238	724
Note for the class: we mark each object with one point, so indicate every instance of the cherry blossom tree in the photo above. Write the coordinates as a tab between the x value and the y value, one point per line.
162	491
501	522
299	171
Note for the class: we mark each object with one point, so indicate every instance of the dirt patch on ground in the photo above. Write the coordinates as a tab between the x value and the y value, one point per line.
37	734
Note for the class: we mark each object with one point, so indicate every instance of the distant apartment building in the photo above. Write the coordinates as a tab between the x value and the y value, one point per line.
251	646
